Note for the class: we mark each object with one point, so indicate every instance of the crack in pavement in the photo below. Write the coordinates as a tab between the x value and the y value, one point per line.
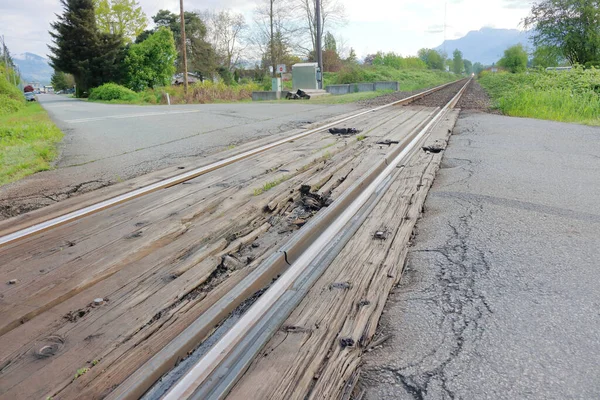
459	265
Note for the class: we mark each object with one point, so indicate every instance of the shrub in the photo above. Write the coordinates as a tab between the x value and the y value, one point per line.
112	91
210	92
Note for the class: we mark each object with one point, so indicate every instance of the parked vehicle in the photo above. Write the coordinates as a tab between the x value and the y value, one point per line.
30	96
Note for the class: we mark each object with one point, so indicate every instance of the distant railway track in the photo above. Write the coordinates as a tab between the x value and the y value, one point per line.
168	268
77	214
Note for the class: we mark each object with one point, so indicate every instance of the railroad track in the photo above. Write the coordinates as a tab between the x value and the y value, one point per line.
166	183
289	271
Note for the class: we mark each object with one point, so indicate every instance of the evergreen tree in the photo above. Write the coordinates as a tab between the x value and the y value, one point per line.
81	50
201	55
59	81
352	56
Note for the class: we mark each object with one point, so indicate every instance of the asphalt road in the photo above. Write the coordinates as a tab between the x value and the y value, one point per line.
109	143
500	297
127	140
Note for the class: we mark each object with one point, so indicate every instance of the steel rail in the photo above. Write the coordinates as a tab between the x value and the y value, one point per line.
202	379
77	214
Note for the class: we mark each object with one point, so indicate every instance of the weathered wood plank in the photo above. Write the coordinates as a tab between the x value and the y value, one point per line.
319	347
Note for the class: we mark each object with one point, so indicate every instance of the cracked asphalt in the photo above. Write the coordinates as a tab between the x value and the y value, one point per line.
500	296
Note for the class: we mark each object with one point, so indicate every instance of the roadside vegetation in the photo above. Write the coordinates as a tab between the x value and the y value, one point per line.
564	34
572	96
28	137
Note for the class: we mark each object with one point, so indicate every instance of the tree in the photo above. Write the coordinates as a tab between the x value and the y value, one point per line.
570	26
332	14
201	56
431	58
151	63
276	31
468	67
225	32
515	59
352	59
457	62
329	42
62	81
544	57
81	50
477	68
331	61
124	18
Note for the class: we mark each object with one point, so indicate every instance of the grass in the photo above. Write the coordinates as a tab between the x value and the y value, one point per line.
28	140
80	372
360	138
409	79
270	185
558	96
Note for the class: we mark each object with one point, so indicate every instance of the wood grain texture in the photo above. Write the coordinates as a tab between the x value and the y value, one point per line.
316	353
159	263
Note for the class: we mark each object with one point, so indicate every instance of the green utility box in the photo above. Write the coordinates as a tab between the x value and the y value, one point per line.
306	76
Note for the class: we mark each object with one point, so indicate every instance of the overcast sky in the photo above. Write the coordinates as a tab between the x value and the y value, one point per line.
403	26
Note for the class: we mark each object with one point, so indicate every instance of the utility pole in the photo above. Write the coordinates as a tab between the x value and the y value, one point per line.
5	59
183	48
319	48
271	17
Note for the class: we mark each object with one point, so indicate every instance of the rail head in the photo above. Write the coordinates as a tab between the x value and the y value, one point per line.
205	371
166	183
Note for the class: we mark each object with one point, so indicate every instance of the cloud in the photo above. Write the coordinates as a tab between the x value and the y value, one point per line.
435	28
518	4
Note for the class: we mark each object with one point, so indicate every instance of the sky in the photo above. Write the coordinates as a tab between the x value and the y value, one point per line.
402	26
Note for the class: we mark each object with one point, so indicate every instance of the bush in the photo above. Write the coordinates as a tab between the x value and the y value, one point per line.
210	92
112	91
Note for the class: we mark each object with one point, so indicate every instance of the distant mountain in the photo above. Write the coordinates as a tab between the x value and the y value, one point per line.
33	68
486	45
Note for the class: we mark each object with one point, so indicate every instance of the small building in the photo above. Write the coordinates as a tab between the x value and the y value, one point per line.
306	76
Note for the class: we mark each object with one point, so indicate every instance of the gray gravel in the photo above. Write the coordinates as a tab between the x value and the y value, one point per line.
441	97
500	296
475	98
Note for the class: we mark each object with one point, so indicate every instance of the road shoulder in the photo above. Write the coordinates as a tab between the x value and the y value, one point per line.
499	296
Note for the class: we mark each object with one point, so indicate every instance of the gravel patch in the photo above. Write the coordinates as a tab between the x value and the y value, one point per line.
441	97
387	98
475	98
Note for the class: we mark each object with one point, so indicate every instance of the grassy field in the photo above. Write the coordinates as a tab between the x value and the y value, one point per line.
558	96
28	140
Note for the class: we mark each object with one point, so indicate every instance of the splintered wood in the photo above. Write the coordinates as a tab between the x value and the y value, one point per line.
159	262
317	352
